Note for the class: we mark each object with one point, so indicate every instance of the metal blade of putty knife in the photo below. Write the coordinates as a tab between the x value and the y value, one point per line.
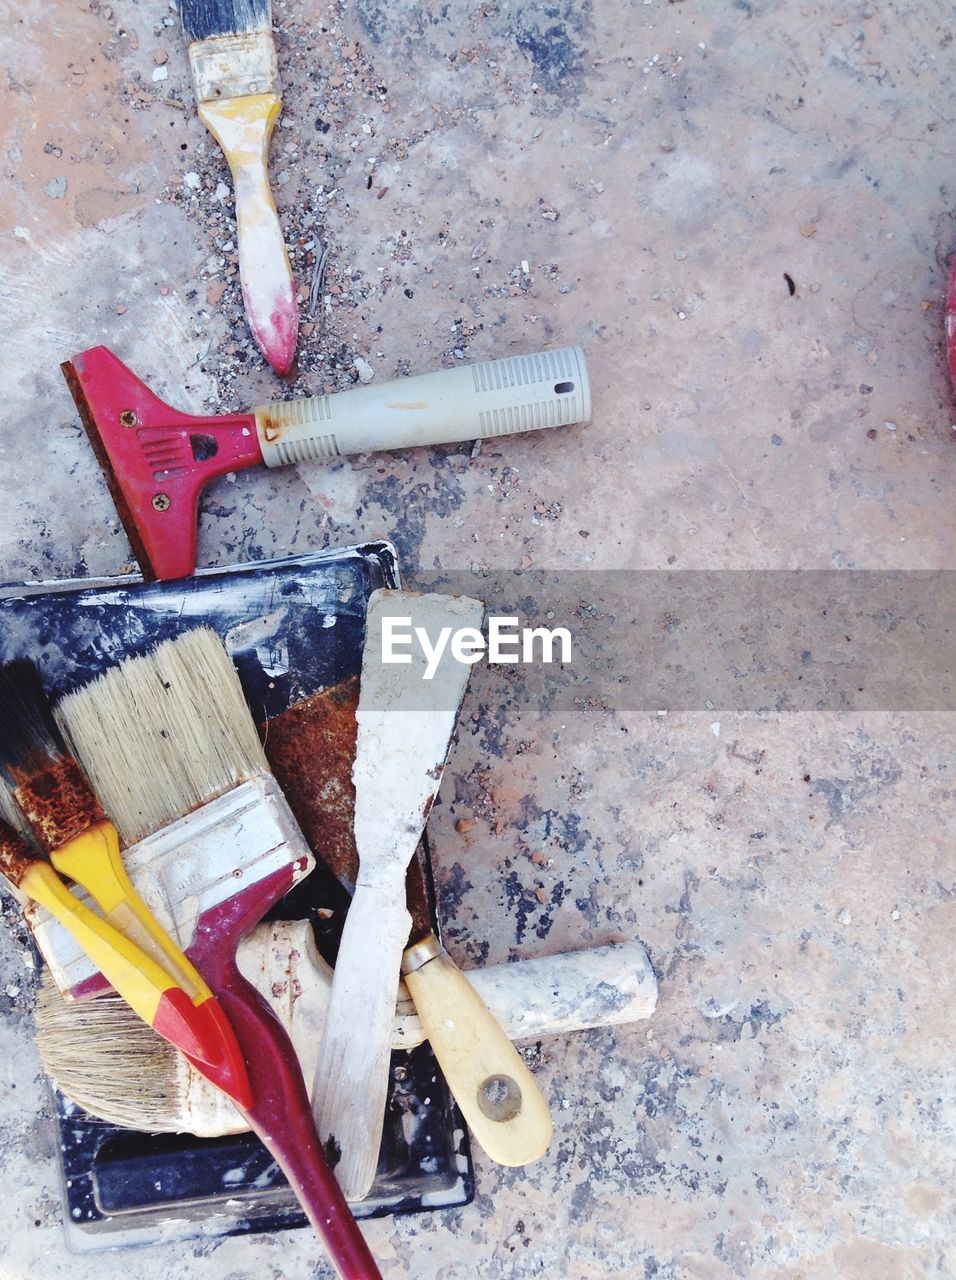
311	749
405	724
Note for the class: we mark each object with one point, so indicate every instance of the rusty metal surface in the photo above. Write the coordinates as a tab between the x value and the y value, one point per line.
58	803
15	856
311	748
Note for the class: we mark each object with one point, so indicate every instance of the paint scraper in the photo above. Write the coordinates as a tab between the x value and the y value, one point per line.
404	729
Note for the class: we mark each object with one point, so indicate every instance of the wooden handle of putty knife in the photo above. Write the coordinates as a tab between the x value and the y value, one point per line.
243	127
351	1079
505	1109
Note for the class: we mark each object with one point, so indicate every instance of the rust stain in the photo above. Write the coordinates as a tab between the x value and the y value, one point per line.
271	430
58	803
411	404
16	857
311	750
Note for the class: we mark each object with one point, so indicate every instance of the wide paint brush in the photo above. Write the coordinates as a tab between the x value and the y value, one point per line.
157	460
51	800
188	753
233	60
405	725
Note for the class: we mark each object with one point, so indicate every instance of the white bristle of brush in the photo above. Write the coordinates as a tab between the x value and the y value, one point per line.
116	1068
161	734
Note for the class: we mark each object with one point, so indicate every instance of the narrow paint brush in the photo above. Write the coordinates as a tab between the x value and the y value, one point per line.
53	804
233	60
141	982
184	742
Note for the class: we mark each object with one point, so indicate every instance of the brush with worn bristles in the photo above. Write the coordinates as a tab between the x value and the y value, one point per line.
186	732
47	800
99	1058
233	60
167	740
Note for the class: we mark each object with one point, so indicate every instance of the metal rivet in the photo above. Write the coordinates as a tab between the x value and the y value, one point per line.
161	502
499	1098
128	418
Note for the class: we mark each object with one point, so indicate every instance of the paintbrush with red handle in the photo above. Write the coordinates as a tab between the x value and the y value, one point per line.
181	748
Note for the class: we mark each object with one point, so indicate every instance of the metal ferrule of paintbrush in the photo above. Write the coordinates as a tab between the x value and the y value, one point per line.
233	60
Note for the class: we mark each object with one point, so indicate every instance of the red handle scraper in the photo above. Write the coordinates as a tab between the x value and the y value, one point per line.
157	460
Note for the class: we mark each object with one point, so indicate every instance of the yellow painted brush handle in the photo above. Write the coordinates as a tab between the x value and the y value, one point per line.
242	127
137	978
505	1109
94	861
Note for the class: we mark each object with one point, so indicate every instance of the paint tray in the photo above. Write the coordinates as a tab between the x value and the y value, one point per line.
293	627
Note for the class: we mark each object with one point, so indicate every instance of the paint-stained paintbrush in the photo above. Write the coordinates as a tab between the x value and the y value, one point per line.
188	745
47	794
233	60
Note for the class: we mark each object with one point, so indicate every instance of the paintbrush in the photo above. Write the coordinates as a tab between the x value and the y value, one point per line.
105	1060
48	797
185	746
145	987
233	60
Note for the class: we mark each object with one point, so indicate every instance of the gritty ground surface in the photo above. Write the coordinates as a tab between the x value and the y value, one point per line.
490	178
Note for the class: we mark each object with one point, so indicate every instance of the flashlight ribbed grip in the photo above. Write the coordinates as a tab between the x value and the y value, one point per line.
476	401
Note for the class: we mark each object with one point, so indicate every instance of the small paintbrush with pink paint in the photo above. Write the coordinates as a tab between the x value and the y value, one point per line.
233	60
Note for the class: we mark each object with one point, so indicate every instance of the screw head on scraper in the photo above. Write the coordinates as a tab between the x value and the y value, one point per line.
156	460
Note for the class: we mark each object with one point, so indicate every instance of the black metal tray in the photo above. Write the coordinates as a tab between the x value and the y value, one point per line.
293	626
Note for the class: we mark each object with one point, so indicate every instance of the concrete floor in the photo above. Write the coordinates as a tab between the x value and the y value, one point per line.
660	168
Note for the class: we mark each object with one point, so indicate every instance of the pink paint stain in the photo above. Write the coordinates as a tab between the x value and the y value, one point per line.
277	331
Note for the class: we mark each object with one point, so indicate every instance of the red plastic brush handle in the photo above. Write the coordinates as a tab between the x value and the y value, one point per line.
156	460
280	1114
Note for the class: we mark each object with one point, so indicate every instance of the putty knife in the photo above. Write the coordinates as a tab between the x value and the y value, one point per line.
311	748
405	725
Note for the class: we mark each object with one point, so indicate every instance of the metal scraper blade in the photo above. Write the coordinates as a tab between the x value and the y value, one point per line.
405	720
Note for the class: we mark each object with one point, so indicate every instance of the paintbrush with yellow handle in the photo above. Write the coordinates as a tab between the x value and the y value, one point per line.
47	796
146	988
233	60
